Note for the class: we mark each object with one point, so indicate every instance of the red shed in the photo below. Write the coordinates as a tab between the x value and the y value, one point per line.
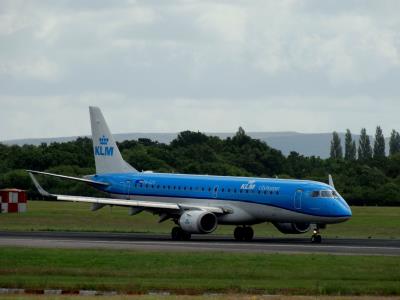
12	200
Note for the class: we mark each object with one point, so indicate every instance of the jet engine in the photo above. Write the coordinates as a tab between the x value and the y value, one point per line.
198	221
293	228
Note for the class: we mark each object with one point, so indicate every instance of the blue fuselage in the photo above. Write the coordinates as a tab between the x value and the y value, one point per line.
309	198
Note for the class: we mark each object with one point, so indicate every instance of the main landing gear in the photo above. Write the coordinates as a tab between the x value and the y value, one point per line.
316	237
178	234
245	233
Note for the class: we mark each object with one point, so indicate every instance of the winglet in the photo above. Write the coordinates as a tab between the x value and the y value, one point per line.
41	190
331	181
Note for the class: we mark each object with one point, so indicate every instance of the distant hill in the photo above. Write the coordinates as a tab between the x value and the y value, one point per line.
307	144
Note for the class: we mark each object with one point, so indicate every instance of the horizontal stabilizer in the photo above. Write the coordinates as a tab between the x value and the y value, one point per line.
70	178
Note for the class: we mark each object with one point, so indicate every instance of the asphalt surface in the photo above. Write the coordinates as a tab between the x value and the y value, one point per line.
157	242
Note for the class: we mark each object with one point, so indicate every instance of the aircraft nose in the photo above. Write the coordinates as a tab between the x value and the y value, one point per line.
348	212
345	210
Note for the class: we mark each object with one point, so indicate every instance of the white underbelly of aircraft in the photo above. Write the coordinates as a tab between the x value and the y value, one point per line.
243	213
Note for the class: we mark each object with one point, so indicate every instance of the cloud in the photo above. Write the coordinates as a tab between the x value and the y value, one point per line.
233	62
223	22
35	69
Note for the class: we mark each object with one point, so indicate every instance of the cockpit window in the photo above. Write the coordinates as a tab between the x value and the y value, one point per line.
315	194
324	194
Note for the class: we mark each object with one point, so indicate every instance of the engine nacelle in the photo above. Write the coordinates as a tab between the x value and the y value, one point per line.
293	228
198	221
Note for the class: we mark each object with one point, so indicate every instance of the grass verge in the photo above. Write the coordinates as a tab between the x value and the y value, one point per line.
197	273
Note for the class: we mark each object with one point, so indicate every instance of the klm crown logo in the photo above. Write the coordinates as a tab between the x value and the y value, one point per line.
103	150
103	140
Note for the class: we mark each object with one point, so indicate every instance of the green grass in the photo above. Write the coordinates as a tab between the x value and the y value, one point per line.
374	222
191	273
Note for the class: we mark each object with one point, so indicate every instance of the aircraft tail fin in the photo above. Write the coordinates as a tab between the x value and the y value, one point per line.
107	157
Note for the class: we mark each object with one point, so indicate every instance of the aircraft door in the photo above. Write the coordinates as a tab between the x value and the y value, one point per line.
297	199
215	191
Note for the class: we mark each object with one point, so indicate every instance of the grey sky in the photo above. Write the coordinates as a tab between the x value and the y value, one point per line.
166	66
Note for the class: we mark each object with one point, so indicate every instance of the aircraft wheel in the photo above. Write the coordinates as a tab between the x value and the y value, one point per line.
186	236
248	233
243	233
177	234
316	238
239	233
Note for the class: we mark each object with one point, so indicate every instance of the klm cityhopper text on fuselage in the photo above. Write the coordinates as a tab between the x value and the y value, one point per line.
198	203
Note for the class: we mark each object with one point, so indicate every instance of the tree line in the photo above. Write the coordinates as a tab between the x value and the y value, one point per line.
361	179
365	151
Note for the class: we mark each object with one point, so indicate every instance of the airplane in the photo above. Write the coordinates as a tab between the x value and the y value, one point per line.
197	204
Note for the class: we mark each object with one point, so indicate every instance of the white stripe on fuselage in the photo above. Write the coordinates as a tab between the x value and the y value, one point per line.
242	212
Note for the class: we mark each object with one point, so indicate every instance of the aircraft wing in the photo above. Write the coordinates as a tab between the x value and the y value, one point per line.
150	205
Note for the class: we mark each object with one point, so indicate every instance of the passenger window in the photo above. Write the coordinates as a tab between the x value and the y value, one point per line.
229	190
223	189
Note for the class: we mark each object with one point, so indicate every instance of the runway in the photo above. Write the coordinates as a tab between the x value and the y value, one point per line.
157	242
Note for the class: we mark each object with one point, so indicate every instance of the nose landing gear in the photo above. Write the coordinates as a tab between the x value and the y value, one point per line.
316	237
243	233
